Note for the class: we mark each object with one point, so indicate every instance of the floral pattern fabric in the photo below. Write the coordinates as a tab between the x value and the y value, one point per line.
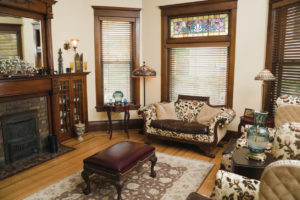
232	186
286	143
187	110
286	99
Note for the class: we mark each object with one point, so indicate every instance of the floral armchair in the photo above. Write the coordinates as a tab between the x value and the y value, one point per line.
187	108
280	180
284	138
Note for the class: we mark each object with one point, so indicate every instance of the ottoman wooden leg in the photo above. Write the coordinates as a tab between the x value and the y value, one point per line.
85	176
119	185
153	162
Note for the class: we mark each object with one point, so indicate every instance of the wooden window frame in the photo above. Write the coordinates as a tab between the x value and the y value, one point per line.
273	5
196	9
16	29
128	14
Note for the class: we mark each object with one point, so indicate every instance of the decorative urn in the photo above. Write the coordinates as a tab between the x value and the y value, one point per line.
258	136
118	96
80	129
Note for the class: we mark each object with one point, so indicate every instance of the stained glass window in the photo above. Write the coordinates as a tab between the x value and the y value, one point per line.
207	25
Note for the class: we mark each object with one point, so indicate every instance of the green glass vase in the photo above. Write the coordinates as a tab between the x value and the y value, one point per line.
118	96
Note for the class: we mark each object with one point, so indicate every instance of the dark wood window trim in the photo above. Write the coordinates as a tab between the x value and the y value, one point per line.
130	14
274	5
194	9
16	29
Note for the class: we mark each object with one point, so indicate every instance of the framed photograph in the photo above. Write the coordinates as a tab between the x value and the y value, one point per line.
249	112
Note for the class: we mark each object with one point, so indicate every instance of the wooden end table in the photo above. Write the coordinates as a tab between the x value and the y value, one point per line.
118	108
250	168
250	120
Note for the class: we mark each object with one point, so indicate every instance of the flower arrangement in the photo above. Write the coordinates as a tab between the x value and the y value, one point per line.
16	67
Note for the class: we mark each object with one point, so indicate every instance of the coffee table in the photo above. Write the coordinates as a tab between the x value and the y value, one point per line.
249	168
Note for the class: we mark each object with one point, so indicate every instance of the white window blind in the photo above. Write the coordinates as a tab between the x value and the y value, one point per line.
116	58
200	71
9	45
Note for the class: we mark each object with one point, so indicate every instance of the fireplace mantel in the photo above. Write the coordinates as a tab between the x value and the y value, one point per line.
20	87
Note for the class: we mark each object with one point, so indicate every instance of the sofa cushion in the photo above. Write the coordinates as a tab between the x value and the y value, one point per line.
206	114
180	126
165	111
187	110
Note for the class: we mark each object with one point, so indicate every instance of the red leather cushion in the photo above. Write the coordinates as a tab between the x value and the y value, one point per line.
121	156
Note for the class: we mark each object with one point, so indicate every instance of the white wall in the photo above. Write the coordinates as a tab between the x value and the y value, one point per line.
75	19
249	58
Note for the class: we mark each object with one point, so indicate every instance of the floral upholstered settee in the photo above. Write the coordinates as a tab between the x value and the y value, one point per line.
206	137
280	180
284	137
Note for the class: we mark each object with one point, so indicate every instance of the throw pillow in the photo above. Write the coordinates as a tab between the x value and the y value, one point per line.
206	114
165	111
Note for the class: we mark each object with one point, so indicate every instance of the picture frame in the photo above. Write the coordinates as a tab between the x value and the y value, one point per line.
249	112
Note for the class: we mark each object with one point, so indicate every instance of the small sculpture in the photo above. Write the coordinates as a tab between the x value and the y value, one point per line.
60	62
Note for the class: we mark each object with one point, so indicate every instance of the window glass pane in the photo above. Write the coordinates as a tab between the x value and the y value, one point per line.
9	45
207	25
200	71
117	59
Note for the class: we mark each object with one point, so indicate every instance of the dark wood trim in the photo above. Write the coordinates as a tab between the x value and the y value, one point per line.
194	3
198	8
283	3
116	125
126	14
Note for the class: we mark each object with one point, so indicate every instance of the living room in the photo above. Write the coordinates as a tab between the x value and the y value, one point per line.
132	63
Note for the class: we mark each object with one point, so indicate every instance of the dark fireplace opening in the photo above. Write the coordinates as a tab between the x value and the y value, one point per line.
20	135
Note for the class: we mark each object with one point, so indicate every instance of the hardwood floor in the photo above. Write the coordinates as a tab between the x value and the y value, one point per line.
37	178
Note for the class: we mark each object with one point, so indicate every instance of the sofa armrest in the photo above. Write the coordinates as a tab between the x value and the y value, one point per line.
233	186
148	113
222	119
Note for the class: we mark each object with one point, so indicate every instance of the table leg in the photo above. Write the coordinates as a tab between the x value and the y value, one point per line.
240	129
110	124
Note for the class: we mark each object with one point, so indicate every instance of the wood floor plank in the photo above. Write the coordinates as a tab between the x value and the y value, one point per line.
32	180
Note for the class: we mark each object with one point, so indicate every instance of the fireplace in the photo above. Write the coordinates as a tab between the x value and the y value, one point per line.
24	128
20	135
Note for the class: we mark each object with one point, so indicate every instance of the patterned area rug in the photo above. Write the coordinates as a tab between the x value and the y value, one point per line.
17	167
175	178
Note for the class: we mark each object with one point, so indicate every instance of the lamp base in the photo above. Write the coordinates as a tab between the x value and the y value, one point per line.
256	156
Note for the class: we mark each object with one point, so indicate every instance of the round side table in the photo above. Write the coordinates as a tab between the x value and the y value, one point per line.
249	168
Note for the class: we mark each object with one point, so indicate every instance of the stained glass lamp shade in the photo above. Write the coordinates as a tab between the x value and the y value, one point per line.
265	75
144	71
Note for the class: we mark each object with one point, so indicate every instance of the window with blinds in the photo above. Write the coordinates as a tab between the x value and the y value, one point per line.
286	52
116	58
199	71
9	38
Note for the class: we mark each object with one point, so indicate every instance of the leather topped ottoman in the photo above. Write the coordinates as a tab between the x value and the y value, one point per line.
117	162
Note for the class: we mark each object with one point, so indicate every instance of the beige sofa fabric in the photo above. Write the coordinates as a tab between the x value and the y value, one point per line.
287	113
281	181
165	111
206	114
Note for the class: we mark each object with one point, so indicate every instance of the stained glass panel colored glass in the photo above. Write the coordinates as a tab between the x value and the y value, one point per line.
208	25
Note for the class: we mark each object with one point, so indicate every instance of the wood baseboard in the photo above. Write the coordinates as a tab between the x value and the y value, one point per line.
116	125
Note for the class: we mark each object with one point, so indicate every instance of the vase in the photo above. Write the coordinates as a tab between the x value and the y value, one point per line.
258	136
118	96
80	129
